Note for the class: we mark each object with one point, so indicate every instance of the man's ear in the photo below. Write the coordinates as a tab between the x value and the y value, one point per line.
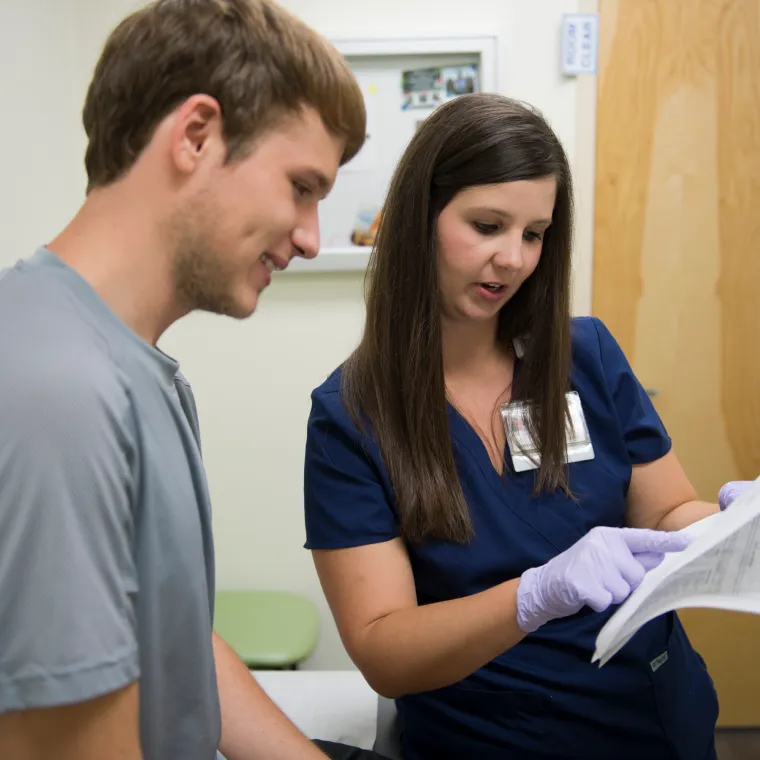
196	132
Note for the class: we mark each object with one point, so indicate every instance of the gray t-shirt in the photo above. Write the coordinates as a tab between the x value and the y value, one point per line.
106	552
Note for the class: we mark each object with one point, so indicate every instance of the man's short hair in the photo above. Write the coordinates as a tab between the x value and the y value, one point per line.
256	59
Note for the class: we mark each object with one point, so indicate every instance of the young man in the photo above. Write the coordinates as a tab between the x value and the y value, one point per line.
215	127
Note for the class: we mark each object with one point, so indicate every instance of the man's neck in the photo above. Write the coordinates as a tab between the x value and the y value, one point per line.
125	257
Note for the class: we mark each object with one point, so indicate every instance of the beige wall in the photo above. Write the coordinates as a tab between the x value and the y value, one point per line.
42	144
252	380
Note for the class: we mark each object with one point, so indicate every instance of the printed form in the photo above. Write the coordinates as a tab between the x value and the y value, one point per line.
721	568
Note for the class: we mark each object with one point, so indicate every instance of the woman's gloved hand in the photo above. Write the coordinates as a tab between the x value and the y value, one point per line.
600	569
730	492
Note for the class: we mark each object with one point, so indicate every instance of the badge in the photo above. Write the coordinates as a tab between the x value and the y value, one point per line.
525	454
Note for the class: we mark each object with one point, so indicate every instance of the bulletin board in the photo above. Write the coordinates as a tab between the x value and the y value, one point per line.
403	81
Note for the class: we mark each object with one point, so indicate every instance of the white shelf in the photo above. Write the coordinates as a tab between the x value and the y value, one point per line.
351	258
484	46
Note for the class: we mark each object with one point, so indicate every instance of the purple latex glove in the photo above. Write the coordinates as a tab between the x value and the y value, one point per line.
730	491
600	569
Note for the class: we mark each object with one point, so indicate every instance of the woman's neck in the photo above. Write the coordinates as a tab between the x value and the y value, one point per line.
469	346
478	375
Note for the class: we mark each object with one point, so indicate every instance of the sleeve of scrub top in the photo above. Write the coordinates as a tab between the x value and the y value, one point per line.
67	575
645	436
344	500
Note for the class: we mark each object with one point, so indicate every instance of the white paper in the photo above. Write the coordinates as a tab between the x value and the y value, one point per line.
720	569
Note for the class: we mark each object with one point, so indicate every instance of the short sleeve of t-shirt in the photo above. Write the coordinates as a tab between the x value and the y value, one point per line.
345	501
67	574
643	431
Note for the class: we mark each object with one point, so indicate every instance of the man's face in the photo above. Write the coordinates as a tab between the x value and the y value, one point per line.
247	218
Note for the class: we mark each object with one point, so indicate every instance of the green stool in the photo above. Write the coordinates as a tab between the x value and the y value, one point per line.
269	630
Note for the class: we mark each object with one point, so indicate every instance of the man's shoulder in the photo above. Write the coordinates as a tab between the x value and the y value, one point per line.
38	305
51	356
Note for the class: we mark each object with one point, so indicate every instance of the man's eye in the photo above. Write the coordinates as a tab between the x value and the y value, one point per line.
302	191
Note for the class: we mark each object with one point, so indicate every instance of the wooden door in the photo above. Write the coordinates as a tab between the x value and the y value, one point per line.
677	255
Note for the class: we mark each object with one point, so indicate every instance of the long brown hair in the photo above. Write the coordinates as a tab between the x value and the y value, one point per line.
394	381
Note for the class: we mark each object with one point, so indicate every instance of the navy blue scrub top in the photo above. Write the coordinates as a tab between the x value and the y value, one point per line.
542	698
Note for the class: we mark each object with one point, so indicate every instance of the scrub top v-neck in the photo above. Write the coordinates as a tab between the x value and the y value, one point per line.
543	698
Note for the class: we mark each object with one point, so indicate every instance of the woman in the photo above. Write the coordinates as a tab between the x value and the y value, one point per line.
469	576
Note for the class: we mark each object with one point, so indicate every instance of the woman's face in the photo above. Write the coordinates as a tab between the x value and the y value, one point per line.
489	240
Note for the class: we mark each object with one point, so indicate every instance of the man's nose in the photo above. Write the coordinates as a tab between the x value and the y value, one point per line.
305	237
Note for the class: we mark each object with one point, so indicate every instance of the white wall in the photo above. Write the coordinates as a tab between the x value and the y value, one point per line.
41	160
252	380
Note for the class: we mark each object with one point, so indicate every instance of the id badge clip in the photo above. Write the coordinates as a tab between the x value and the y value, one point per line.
525	453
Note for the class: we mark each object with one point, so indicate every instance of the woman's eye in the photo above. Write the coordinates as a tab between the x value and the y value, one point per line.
484	228
533	236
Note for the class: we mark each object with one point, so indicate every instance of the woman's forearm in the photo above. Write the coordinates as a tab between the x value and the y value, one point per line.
434	645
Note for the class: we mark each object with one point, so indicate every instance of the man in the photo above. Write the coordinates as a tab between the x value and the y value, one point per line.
215	127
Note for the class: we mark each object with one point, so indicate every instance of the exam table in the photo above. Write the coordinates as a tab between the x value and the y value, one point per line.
337	706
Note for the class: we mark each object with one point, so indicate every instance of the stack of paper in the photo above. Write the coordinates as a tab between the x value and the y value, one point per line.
721	568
